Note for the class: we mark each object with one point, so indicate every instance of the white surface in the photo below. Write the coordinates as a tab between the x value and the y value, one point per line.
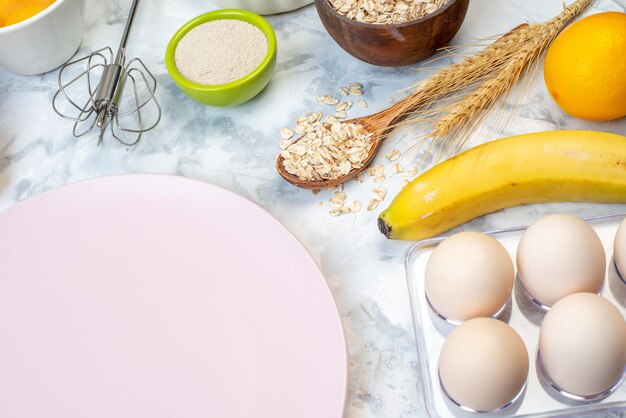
235	148
525	318
44	41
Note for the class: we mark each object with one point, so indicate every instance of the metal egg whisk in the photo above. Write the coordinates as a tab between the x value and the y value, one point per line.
106	82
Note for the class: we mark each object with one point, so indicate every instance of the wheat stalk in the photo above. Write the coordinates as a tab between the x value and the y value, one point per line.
465	115
456	119
460	75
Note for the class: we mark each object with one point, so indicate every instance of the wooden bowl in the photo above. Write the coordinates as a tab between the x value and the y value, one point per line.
398	44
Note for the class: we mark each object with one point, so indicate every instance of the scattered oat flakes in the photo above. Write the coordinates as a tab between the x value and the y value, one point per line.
379	194
372	205
328	148
356	91
315	191
320	203
380	179
359	178
335	212
362	103
393	155
376	170
404	183
329	100
286	133
355	206
346	209
343	106
335	203
340	195
397	168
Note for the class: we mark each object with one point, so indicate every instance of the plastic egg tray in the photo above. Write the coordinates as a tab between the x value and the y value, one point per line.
538	399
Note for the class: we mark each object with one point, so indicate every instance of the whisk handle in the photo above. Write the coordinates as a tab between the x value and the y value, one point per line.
121	51
109	92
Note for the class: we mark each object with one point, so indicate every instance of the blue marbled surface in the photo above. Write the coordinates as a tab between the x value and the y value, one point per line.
235	148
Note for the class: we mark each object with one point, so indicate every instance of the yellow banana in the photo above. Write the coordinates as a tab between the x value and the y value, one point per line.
556	166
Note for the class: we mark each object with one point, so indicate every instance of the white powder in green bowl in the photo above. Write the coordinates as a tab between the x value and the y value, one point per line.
220	51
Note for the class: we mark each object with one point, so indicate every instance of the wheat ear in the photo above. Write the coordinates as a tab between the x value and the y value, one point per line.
460	75
460	118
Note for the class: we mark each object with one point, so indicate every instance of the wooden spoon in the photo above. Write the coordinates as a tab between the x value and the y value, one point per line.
379	124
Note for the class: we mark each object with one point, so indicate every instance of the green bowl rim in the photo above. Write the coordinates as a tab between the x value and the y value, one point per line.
222	14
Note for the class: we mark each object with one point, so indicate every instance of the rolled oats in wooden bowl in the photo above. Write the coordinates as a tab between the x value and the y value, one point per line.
386	11
392	32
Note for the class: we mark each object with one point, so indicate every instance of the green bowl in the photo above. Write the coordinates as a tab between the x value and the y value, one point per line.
238	91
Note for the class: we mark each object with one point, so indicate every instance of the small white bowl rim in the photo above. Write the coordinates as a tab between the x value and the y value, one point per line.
32	19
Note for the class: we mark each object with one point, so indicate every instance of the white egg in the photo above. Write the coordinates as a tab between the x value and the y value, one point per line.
483	364
560	255
582	344
469	275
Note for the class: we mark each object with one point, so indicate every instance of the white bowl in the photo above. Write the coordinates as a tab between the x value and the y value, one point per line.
263	7
45	41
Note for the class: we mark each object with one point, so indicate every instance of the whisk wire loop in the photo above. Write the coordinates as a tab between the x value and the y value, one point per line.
105	81
117	125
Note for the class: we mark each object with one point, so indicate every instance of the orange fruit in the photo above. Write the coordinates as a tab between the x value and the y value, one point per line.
585	67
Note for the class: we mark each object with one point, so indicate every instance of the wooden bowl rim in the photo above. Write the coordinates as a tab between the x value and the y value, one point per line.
449	3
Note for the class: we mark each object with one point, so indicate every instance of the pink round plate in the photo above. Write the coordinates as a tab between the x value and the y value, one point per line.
148	296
